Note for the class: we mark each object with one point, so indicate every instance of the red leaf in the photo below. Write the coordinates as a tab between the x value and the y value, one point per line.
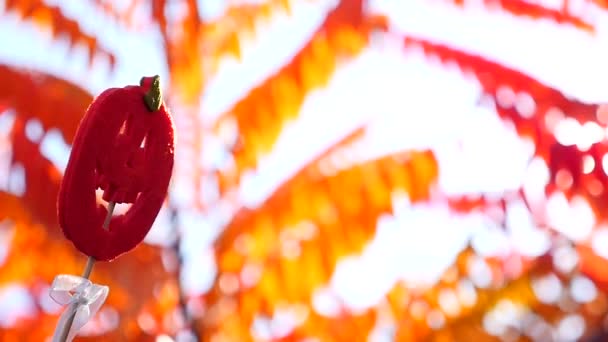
42	178
525	8
263	113
59	103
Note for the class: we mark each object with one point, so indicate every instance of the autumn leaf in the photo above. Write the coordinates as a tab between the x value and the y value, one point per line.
262	114
578	172
497	80
468	323
535	110
465	316
59	104
345	326
122	16
193	56
523	8
42	178
593	265
10	207
52	17
298	235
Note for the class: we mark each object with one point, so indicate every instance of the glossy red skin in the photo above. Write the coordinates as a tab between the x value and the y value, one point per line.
103	157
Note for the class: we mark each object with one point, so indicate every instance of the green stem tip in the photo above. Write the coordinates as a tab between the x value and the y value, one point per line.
154	97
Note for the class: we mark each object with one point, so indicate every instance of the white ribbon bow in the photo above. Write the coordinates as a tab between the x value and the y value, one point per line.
84	299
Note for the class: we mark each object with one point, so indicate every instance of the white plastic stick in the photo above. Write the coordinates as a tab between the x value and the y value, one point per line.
85	274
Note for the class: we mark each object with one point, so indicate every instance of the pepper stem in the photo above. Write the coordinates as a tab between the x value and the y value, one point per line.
154	97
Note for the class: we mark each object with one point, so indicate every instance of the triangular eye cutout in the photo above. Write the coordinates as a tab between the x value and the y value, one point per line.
126	125
123	128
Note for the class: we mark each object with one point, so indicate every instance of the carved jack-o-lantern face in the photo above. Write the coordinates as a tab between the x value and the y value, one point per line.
124	146
121	173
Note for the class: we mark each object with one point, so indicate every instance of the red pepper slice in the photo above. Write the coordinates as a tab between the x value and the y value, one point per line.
124	146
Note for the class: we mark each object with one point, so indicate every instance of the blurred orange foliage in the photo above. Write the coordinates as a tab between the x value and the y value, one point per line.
274	258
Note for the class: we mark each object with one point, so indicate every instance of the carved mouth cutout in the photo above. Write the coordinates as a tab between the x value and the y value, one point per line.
119	208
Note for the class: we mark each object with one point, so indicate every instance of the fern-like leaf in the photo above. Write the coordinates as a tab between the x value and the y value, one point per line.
524	8
59	103
263	113
322	218
51	17
536	121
